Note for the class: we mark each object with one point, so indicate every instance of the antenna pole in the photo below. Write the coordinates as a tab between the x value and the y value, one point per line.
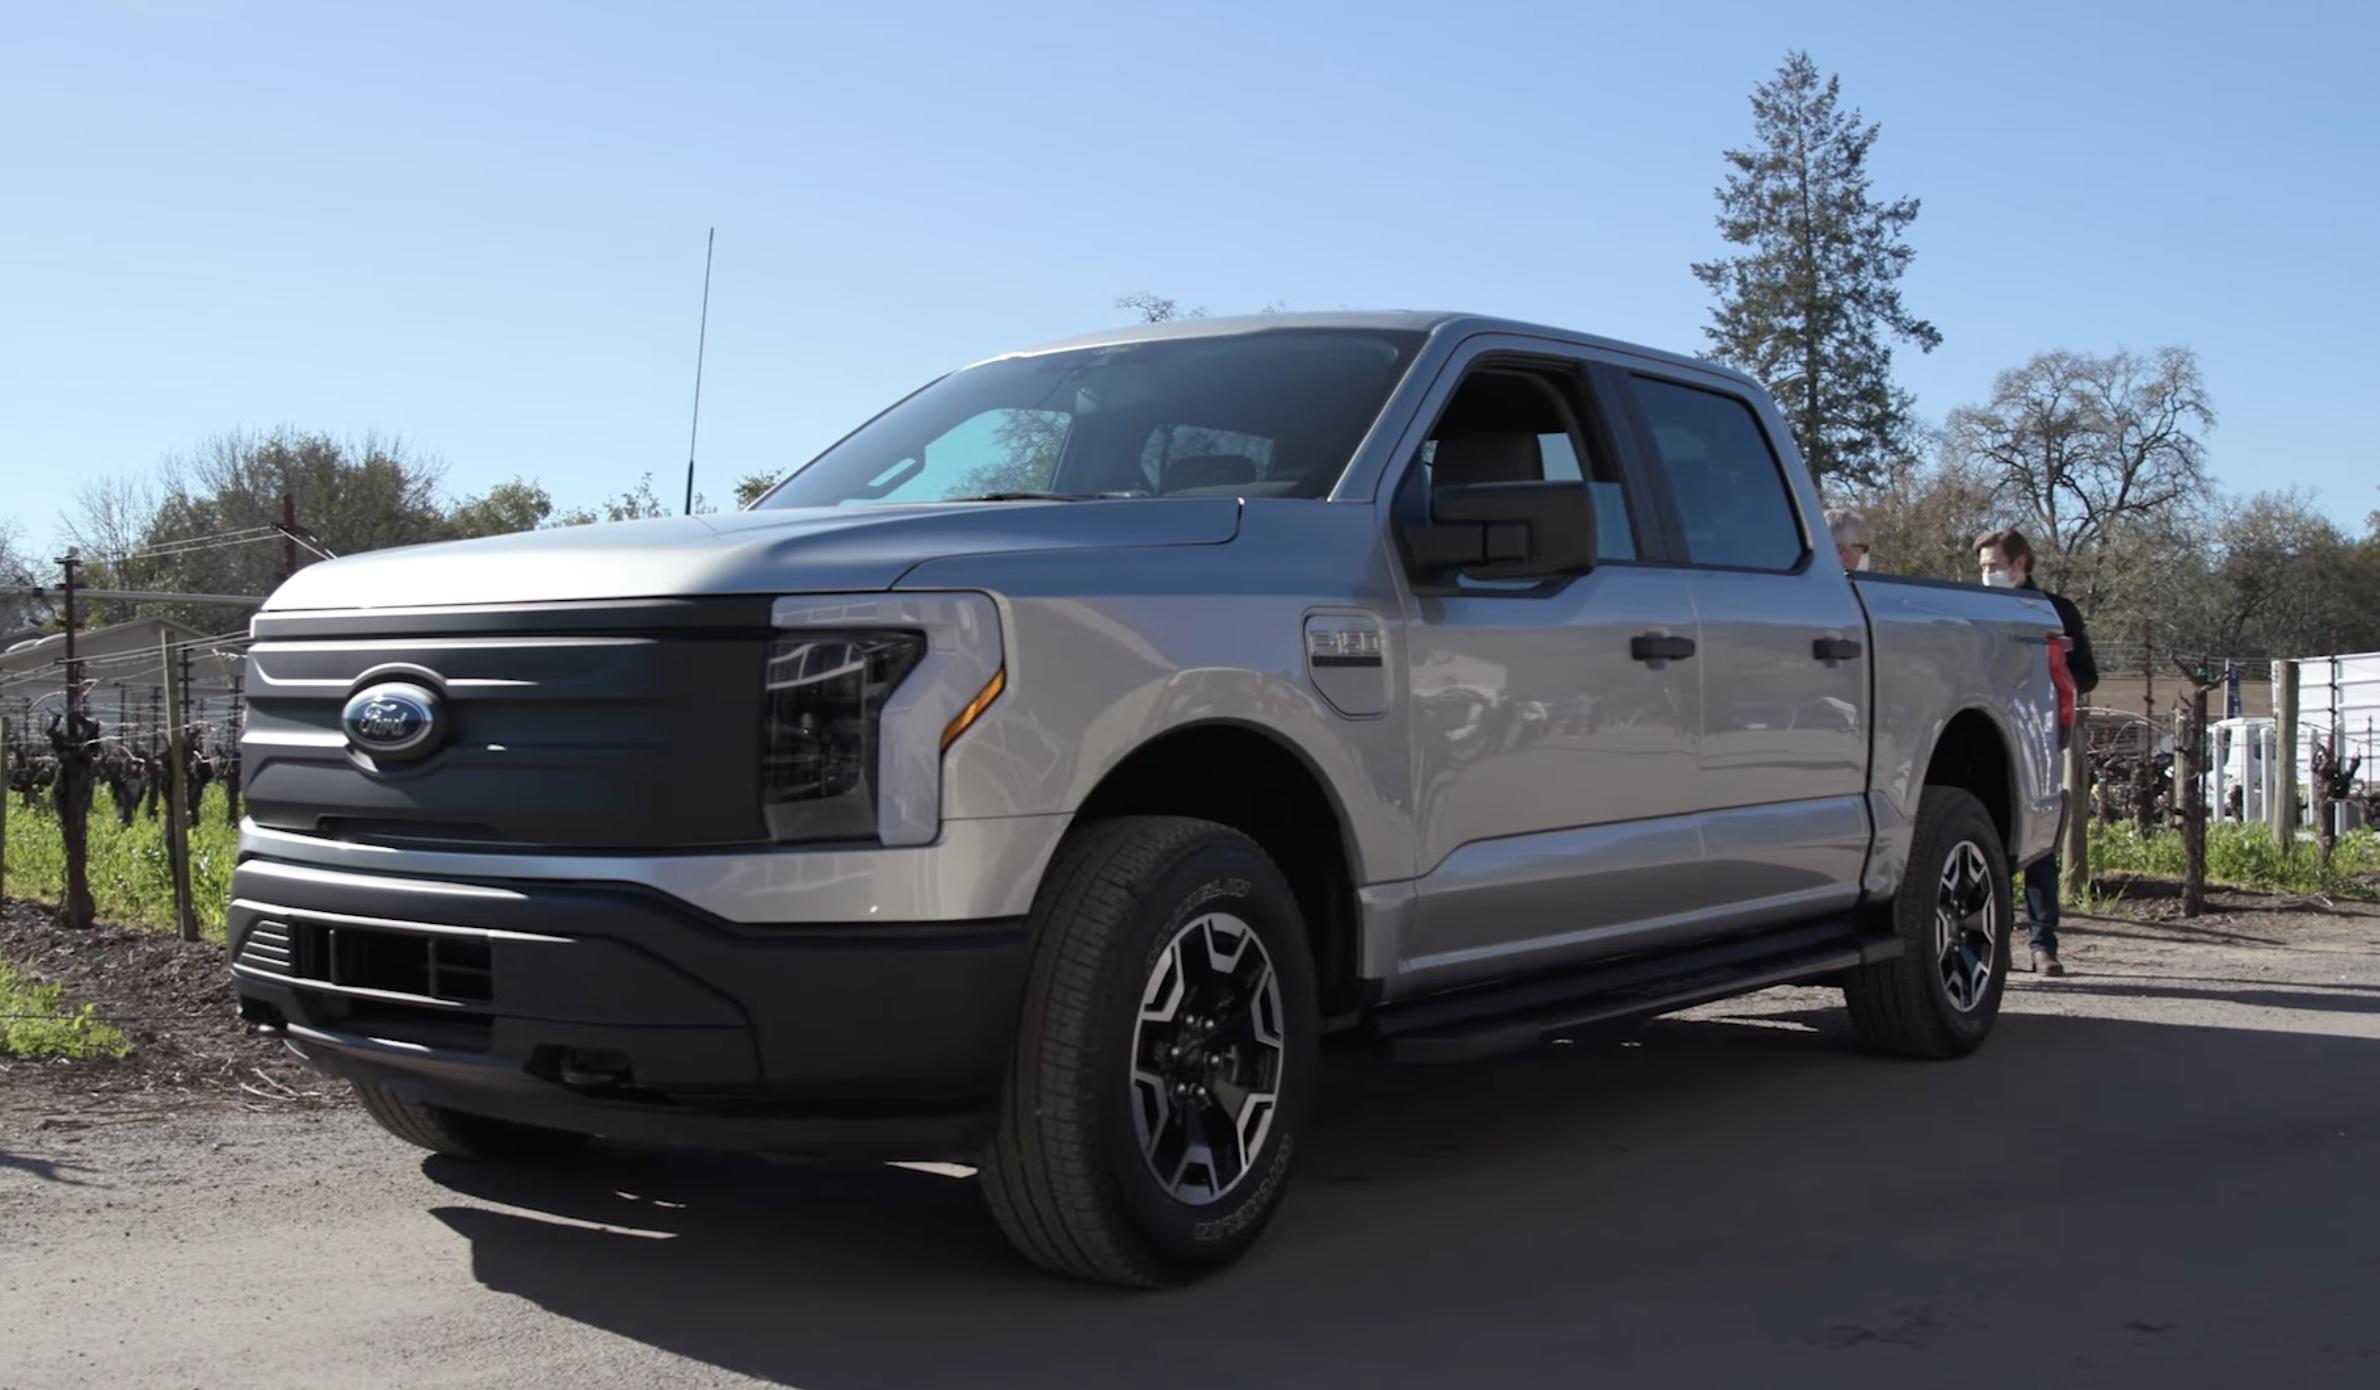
701	339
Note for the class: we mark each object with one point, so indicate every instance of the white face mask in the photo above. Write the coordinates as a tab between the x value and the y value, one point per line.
1863	561
2000	578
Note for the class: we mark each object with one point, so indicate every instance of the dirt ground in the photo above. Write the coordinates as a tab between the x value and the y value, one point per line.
2159	1173
172	999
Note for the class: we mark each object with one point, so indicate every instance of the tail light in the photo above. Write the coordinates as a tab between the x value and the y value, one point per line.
822	715
2063	679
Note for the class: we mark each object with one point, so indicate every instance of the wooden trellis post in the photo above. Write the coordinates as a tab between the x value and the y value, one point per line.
177	796
2190	787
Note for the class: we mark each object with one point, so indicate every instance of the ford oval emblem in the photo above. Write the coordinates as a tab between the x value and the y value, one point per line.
394	721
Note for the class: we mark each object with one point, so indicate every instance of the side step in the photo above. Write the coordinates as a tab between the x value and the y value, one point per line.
1494	1019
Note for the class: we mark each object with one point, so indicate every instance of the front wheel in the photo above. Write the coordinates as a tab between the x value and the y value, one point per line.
1165	1059
1939	997
460	1135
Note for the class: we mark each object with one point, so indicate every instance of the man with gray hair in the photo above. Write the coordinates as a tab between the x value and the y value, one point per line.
1852	535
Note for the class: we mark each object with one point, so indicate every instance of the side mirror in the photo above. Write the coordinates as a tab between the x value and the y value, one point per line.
1505	530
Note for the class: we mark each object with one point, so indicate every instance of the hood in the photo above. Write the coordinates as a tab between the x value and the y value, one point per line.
795	550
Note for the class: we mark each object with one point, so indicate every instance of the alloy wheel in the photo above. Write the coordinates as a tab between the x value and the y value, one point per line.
1207	1058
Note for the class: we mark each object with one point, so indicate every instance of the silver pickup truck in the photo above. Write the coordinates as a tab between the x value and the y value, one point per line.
1035	777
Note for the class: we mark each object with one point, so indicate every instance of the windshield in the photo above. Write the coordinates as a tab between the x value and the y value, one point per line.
1270	413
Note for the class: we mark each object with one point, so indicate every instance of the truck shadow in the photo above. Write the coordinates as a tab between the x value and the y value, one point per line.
2095	1200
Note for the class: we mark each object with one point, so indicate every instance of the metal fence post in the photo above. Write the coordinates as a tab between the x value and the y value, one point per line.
2284	807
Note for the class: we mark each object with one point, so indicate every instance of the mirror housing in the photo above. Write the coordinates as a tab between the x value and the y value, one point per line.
1532	530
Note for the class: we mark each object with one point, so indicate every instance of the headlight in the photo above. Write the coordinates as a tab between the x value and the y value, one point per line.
821	717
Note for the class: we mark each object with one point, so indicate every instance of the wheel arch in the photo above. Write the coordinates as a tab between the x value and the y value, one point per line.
1973	754
1263	785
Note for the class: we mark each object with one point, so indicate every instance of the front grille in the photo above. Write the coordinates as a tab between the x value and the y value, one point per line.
268	948
556	736
438	966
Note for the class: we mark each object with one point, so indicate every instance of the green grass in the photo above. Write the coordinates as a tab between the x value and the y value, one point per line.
2243	856
130	884
35	1020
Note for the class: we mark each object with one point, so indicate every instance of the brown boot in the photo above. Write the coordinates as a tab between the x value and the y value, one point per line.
2044	963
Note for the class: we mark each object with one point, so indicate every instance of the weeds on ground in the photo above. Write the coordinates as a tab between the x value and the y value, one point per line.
35	1021
2244	856
2095	900
130	882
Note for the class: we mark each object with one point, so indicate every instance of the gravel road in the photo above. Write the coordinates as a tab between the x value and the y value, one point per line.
2159	1173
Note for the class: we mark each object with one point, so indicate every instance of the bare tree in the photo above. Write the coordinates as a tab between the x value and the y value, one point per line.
2284	582
2091	453
1155	308
18	565
1926	516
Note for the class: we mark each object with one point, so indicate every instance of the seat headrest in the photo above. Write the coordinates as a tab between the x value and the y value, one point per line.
1503	457
1207	470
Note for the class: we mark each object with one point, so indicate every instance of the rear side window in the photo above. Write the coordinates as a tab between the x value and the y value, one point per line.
1730	493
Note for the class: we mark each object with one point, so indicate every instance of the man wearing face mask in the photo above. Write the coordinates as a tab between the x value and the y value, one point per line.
2006	559
1853	537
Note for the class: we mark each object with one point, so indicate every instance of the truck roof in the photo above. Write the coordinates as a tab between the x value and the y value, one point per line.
1431	321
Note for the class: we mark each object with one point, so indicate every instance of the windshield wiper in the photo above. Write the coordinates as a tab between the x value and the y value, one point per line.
1047	497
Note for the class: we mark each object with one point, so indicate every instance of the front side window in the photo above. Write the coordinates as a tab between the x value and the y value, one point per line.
1269	413
1515	425
1729	491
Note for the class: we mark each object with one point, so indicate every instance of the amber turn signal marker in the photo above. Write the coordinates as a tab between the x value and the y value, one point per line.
975	708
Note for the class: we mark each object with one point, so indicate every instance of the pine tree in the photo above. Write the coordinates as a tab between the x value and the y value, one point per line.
1807	305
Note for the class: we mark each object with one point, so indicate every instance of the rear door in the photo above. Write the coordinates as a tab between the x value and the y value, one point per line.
1782	664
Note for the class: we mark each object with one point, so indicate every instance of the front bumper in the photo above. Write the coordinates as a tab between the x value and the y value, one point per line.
619	1010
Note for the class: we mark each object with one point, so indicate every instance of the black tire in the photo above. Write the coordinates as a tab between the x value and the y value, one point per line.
1926	1002
1068	1175
460	1135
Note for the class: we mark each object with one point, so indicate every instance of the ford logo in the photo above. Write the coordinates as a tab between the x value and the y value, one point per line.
394	721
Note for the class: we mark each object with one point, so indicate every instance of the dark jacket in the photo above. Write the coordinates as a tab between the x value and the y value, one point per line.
2078	661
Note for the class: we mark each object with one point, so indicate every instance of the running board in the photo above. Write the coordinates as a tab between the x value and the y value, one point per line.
1497	1019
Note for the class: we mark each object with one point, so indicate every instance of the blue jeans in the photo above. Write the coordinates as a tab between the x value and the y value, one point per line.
2041	903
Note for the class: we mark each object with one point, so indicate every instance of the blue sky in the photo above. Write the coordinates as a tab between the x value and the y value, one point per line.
481	226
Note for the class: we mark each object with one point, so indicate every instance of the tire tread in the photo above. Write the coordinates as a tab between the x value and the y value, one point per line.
1893	1003
1042	1177
458	1135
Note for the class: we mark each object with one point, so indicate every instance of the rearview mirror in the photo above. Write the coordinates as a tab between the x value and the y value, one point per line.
1506	530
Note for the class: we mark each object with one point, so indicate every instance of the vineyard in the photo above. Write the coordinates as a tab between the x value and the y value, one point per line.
130	882
131	885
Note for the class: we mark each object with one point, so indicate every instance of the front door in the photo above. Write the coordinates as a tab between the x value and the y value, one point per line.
1555	753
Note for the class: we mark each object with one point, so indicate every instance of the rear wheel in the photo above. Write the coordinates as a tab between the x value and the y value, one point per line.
1165	1060
457	1134
1940	996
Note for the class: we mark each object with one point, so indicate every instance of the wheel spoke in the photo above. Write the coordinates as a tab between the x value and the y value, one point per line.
1207	1058
1163	997
1966	925
1199	1164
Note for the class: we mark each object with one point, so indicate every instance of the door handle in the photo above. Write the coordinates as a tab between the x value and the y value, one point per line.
1834	649
1652	646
